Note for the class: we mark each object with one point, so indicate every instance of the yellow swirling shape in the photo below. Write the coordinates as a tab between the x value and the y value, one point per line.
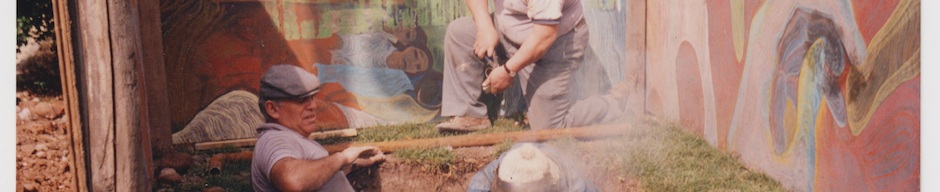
883	71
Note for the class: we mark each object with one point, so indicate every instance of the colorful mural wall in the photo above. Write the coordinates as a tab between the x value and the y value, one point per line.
821	95
380	60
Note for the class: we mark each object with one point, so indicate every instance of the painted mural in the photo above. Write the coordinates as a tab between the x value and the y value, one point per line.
380	61
821	95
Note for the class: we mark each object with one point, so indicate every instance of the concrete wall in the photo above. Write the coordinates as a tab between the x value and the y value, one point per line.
821	95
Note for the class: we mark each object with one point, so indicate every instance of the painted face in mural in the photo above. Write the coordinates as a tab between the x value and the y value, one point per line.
297	114
411	60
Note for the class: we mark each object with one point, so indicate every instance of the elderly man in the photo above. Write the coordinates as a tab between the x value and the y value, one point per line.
284	159
544	41
531	167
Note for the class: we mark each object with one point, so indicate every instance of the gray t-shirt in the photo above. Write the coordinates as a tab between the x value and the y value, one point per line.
275	142
514	18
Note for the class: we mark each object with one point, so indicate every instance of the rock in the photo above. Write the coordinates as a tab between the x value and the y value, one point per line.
28	149
177	161
45	110
215	189
24	114
41	154
30	186
46	138
169	176
58	108
41	147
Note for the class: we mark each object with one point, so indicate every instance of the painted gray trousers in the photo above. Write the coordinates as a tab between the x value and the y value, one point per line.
546	85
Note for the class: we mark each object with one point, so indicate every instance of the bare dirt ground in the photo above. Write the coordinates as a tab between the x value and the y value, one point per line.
42	144
398	175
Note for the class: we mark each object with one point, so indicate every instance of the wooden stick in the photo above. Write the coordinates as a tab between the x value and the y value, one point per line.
251	141
489	139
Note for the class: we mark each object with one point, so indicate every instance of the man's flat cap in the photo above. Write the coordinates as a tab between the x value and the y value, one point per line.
284	81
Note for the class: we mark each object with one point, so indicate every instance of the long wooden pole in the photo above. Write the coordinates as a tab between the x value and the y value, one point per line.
251	141
490	139
70	92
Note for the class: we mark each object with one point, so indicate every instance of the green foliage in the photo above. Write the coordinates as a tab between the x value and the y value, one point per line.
39	73
235	177
34	20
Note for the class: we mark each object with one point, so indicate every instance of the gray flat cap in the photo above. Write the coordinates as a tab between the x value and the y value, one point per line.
284	81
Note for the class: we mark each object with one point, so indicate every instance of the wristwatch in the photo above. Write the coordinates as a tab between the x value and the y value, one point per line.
511	73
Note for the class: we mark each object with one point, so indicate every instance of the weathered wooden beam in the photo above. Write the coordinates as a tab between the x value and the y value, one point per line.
63	31
635	56
491	139
251	141
110	88
94	62
132	147
154	73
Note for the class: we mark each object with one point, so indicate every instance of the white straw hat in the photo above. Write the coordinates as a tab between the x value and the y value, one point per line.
527	165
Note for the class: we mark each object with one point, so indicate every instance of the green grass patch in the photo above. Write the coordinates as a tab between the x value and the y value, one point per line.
665	157
438	159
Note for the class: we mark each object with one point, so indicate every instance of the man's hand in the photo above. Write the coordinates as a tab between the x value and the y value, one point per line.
486	38
497	81
363	156
486	41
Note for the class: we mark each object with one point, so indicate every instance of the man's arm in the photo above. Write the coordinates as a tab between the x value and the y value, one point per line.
291	174
532	49
487	37
534	46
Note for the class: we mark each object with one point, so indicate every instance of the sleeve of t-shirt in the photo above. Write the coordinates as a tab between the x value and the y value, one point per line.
545	11
483	179
276	148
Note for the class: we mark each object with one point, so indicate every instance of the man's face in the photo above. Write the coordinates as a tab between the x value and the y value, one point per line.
298	114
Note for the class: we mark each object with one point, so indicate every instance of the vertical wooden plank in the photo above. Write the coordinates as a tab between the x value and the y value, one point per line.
94	61
126	60
154	73
70	93
635	62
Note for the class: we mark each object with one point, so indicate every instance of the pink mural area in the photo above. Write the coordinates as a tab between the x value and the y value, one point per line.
373	58
821	95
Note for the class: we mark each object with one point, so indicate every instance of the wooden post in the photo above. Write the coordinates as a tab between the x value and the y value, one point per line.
94	60
109	63
154	73
63	32
635	59
126	55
